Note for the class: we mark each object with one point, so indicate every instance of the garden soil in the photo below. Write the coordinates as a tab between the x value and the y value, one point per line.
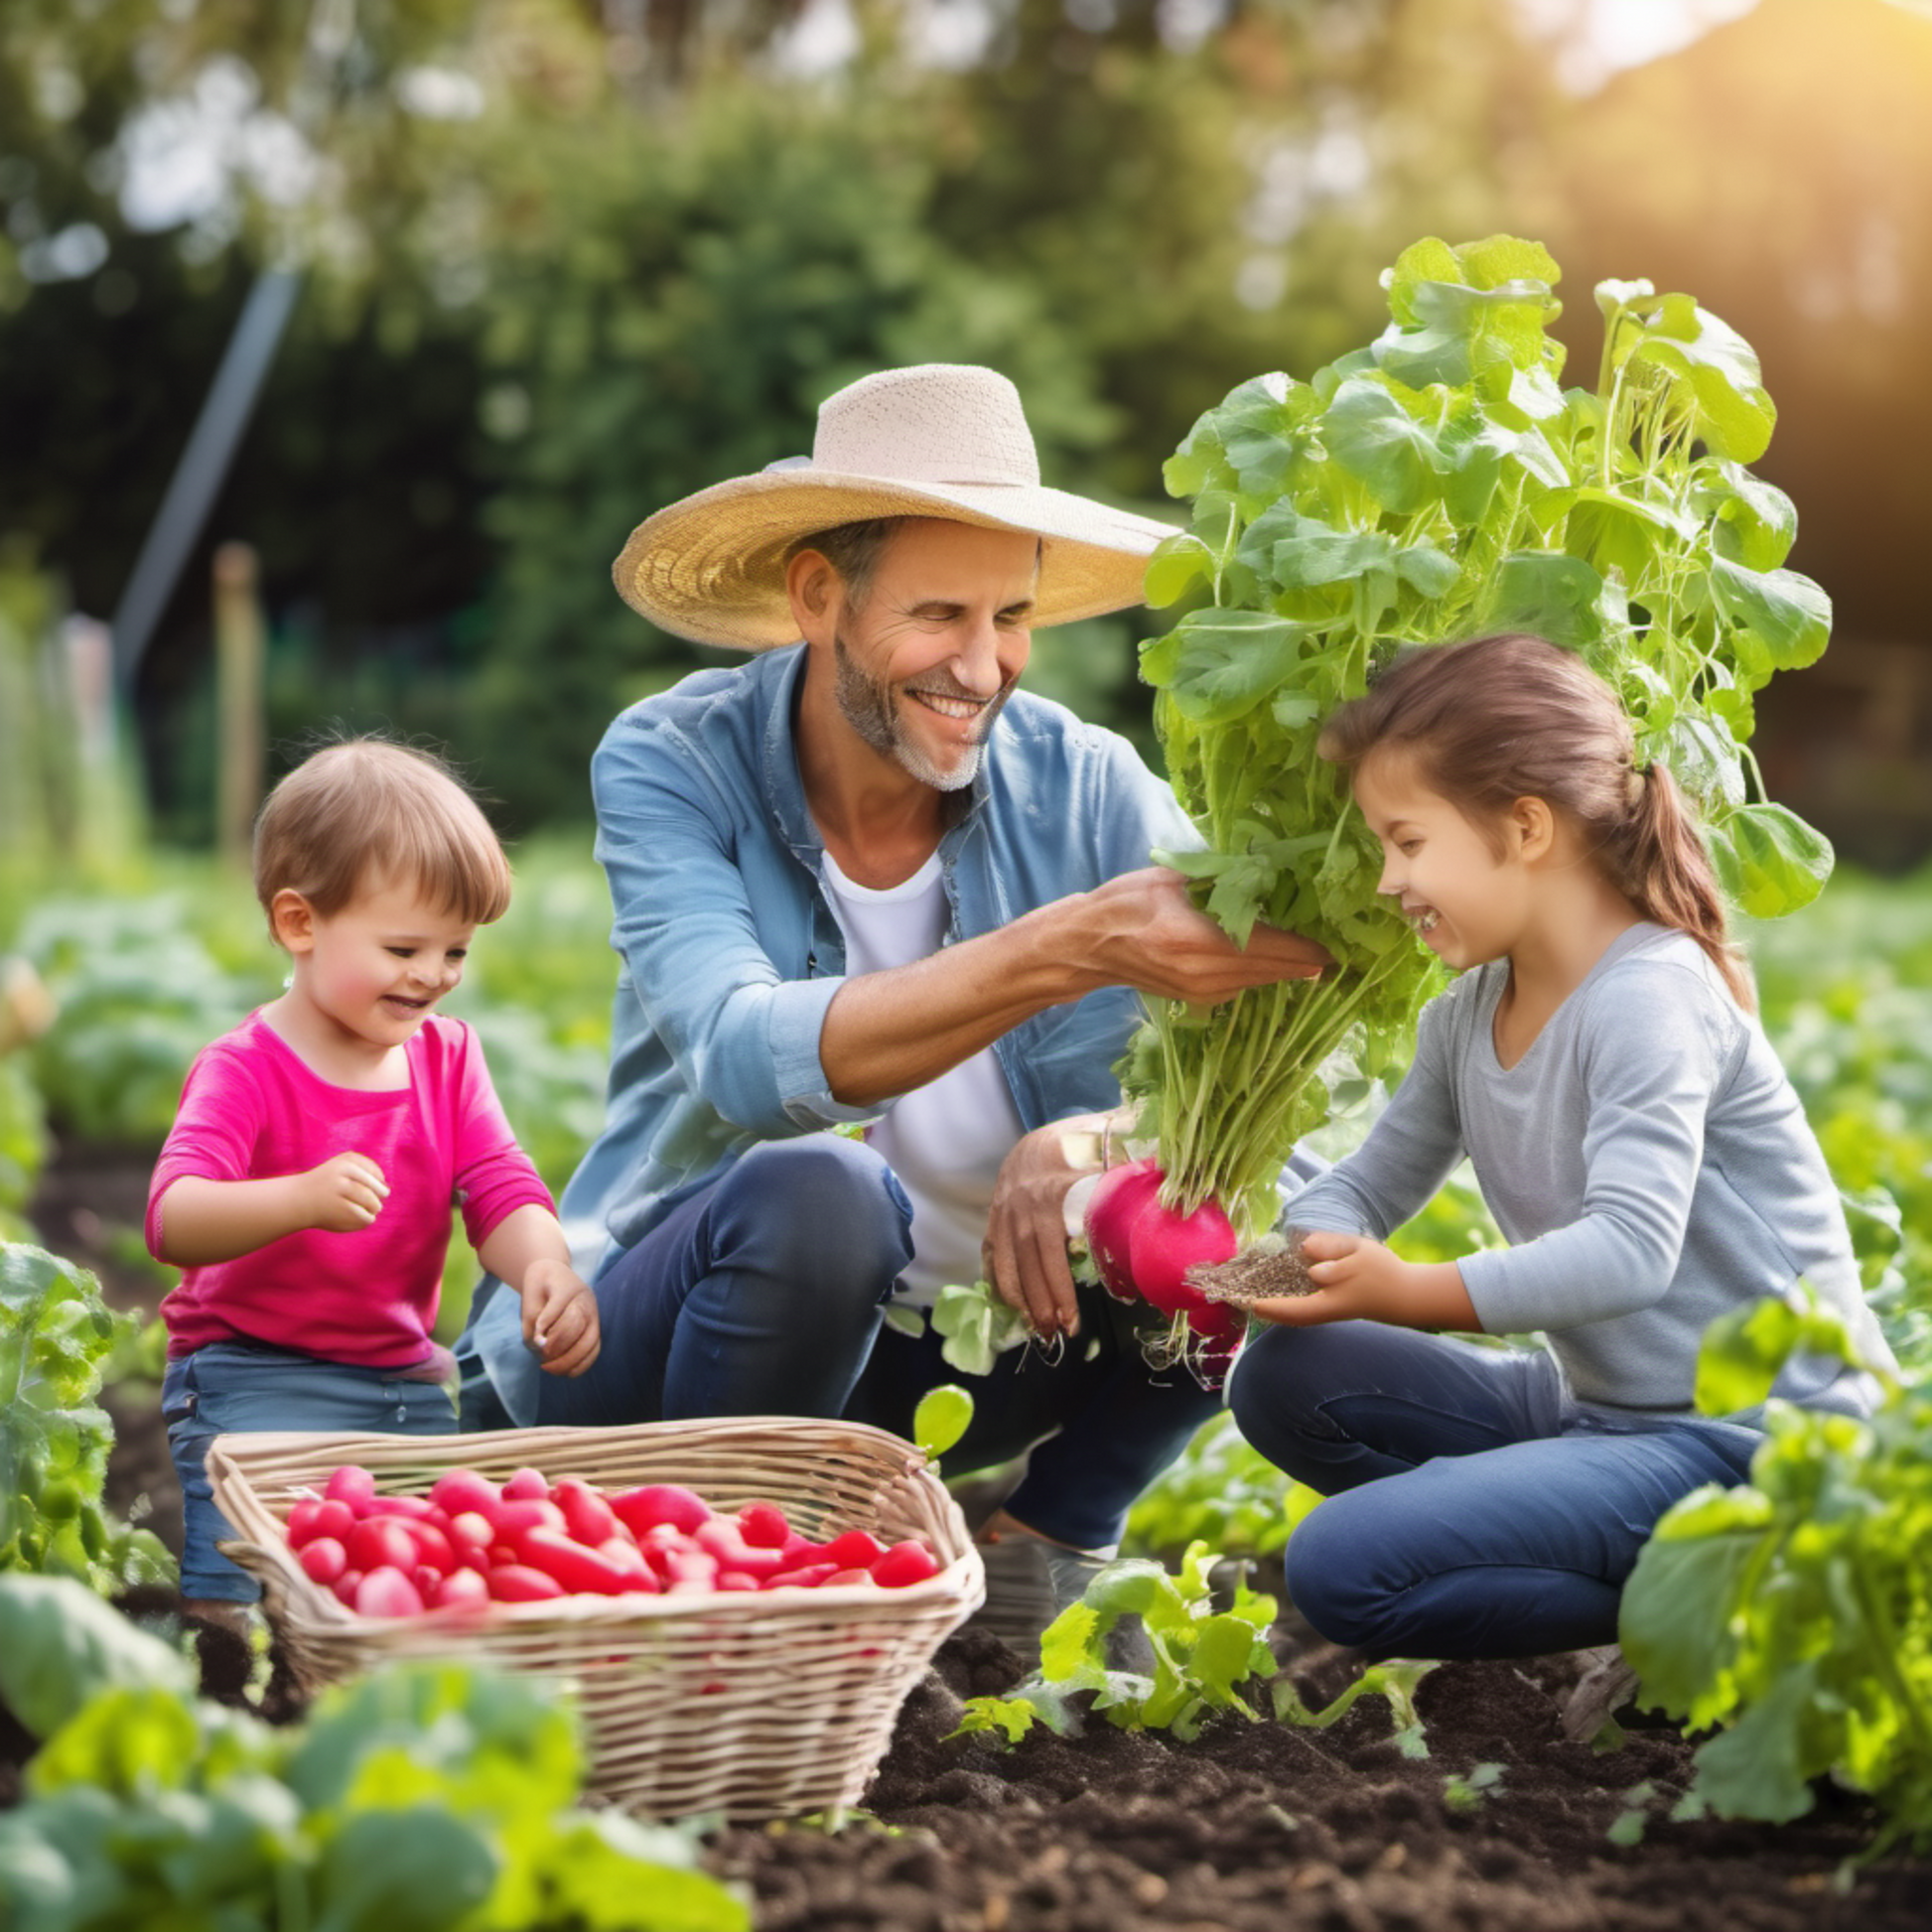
1255	1826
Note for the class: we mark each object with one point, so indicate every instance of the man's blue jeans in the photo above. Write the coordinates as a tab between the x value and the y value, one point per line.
1471	1509
764	1295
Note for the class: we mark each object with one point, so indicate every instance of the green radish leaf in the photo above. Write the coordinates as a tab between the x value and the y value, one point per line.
943	1415
1786	615
1769	860
1374	438
1177	564
1550	594
1755	521
1218	666
1734	414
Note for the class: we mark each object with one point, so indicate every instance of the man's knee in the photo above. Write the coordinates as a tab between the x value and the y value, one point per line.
823	1210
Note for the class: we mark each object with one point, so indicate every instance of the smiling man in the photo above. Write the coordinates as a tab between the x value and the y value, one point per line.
862	883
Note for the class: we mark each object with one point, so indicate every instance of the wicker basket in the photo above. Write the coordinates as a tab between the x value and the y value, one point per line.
752	1705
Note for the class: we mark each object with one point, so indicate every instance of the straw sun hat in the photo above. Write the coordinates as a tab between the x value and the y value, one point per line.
939	438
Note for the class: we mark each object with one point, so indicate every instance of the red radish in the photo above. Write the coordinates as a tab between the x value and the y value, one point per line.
462	1589
853	1550
721	1536
346	1586
1112	1209
799	1549
587	1515
652	1503
738	1579
352	1486
840	1578
379	1542
322	1559
417	1508
764	1526
689	1570
315	1516
472	1531
517	1514
1167	1245
461	1490
386	1591
625	1555
432	1546
517	1583
805	1577
905	1562
582	1572
527	1485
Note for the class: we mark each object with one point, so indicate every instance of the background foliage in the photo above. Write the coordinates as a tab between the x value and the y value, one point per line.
566	259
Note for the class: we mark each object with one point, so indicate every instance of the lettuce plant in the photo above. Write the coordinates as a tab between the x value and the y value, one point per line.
56	1336
1441	484
1792	1616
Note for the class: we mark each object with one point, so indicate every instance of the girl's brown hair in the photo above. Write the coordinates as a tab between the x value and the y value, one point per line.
367	809
1510	717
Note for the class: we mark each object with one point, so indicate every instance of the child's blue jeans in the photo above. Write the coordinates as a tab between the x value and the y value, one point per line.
764	1295
250	1386
1472	1510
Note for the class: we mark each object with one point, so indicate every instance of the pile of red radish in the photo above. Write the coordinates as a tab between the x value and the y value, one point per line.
471	1542
1143	1250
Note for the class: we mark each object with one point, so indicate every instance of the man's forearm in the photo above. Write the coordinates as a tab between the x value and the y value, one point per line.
888	1032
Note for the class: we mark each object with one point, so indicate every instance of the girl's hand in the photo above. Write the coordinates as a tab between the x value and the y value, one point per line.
1359	1280
560	1318
344	1195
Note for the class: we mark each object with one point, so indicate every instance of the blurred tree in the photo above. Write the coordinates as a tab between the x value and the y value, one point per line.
570	258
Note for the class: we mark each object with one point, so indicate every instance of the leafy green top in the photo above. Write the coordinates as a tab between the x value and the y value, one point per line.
1440	484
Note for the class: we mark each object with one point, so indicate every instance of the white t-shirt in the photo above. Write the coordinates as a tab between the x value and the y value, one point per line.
945	1139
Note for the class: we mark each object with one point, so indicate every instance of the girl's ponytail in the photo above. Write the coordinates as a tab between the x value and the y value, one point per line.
1656	859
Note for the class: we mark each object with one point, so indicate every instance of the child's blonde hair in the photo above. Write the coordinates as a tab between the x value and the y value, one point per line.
1514	715
367	809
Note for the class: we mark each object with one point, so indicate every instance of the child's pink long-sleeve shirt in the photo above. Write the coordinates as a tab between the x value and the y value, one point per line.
252	1109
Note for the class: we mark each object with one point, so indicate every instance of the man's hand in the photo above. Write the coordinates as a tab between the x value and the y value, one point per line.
1359	1280
344	1195
560	1318
1025	1251
1154	937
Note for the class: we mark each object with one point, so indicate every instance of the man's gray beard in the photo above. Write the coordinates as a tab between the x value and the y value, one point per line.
870	707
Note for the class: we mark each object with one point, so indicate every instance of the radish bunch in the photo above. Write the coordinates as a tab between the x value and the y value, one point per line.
471	1542
1143	1250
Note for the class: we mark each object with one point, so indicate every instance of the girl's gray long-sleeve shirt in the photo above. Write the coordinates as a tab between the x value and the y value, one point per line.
1647	1160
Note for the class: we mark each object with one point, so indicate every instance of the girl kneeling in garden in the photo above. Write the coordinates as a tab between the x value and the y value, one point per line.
1634	1138
306	1188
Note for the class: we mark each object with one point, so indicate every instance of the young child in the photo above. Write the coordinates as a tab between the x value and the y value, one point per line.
1634	1138
306	1188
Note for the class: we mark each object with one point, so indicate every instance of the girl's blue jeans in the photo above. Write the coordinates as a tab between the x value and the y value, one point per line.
250	1386
1472	1510
764	1295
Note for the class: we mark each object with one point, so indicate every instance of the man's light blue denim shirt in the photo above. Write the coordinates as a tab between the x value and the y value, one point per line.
731	955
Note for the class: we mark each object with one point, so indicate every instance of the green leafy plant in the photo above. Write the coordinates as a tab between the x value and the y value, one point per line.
423	1799
1202	1657
56	1338
1206	1661
1435	485
1795	1611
